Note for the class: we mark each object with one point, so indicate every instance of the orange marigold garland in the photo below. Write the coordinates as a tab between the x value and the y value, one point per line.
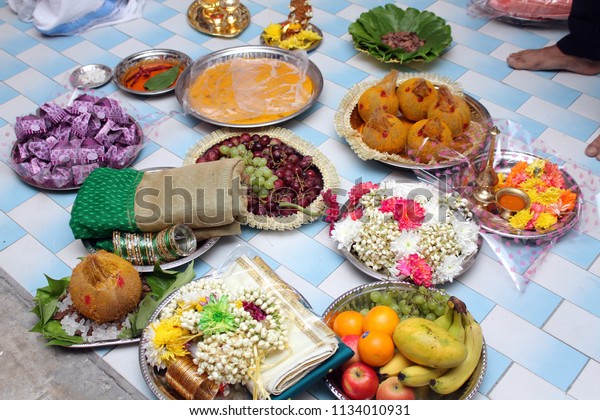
544	183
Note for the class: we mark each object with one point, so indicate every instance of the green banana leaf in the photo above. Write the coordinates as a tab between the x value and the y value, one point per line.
370	26
162	283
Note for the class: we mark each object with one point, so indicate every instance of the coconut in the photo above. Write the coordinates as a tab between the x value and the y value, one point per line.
105	287
427	138
415	96
382	95
385	133
450	109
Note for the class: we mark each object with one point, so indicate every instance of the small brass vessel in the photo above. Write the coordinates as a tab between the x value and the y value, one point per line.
488	178
506	211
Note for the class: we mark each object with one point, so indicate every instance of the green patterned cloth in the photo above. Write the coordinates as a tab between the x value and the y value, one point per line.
105	203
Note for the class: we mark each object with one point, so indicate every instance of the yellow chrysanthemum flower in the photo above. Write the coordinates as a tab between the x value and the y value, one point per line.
550	196
302	40
545	220
272	34
531	184
536	167
520	219
169	339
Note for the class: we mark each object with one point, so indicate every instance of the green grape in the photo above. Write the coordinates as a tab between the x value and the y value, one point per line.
440	297
440	309
241	148
256	162
419	299
430	316
224	150
263	193
395	307
269	185
234	153
255	188
405	309
249	170
364	311
376	296
387	300
431	305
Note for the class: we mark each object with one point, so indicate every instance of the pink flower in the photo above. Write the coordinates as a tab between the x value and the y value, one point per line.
553	176
536	209
357	191
408	213
333	208
356	214
417	268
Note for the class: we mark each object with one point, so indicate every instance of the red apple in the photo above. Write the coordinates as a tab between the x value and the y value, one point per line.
360	381
352	342
392	389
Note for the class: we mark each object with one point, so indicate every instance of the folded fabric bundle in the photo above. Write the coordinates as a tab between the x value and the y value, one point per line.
207	197
69	17
311	342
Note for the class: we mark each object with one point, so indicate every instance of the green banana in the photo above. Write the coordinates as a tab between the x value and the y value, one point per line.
417	375
445	320
457	376
457	330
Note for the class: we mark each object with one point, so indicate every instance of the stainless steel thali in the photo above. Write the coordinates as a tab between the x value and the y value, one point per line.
248	52
491	222
359	298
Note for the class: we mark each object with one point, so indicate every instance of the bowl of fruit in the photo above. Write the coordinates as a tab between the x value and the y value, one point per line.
285	175
410	342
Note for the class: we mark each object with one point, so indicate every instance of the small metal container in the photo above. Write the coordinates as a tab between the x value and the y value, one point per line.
148	56
90	76
505	211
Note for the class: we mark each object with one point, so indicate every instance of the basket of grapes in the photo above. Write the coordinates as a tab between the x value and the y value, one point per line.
410	342
285	175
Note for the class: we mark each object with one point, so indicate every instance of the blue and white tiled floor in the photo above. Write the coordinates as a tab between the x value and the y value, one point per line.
543	339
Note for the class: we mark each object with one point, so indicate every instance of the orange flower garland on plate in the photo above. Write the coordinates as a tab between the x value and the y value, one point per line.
544	183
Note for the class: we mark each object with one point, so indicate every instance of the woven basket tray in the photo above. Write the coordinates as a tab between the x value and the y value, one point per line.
347	122
328	172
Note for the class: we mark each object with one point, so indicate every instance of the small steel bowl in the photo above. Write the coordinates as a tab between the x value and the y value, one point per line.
148	55
90	76
506	212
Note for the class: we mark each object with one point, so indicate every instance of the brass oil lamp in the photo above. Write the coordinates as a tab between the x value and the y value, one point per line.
487	179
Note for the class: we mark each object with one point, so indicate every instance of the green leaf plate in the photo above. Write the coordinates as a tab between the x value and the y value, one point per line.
370	26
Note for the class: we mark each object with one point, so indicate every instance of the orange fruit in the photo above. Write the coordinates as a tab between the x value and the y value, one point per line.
381	318
348	323
375	348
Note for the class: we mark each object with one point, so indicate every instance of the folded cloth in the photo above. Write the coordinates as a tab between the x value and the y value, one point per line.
310	341
69	17
207	197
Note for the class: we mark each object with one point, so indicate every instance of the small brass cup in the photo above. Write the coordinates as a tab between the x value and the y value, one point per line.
506	211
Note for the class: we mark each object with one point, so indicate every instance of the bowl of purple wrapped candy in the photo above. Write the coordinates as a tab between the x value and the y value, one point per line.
58	147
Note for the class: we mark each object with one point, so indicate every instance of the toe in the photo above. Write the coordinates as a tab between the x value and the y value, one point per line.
592	150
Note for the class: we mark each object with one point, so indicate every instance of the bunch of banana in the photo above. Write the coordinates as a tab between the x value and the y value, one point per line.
447	355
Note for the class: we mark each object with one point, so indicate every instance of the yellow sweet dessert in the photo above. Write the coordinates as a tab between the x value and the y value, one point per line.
250	90
382	95
384	132
450	109
415	96
427	138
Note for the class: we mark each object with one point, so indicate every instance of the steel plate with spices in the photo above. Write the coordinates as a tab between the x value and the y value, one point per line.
151	72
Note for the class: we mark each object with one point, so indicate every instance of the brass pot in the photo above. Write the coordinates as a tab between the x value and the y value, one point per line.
505	211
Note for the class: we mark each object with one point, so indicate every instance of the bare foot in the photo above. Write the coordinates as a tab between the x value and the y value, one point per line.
551	58
593	149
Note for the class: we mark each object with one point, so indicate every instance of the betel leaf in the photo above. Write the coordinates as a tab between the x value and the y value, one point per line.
162	283
370	26
162	80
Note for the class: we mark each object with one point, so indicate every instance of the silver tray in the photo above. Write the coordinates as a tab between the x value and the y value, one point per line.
309	27
71	187
379	276
357	299
493	223
222	56
148	55
156	379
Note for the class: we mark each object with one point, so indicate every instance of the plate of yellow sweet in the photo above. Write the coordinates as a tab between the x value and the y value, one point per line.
413	121
249	86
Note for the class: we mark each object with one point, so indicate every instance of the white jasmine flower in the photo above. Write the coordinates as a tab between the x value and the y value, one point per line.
406	243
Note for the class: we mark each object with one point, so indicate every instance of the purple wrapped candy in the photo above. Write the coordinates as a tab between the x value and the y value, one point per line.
111	110
21	153
61	177
39	148
90	151
130	135
82	104
62	132
29	125
80	172
63	154
52	141
52	112
80	124
120	157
